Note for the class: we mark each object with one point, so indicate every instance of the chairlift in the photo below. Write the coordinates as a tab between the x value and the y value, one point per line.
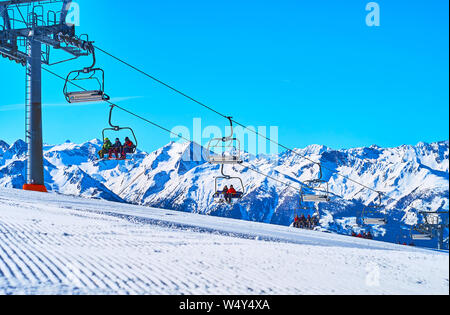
421	237
88	74
421	232
219	195
372	215
305	211
116	128
315	190
229	148
424	231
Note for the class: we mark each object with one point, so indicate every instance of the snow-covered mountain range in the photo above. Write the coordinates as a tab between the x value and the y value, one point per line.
413	177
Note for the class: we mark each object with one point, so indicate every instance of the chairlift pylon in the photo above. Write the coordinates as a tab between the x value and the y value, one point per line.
86	74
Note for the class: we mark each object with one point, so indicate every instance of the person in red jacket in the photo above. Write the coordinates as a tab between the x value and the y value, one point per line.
230	193
128	147
296	221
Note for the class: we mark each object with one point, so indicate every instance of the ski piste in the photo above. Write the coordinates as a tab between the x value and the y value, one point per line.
55	244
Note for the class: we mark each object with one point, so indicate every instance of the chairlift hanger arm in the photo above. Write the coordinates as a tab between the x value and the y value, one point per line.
114	127
223	174
230	137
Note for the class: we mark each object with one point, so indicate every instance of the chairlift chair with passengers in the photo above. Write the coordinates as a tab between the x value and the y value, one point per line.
229	148
305	210
115	128
228	180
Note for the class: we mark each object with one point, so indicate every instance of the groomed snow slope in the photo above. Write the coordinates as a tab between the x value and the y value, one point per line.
54	244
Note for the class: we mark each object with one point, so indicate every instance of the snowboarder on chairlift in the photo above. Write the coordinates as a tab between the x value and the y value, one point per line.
105	149
115	148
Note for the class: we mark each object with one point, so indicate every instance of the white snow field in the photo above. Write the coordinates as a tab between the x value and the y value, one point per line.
54	244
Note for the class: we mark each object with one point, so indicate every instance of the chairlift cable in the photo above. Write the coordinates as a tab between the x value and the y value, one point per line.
236	122
188	140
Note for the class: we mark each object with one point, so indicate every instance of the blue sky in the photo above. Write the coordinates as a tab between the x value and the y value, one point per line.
312	68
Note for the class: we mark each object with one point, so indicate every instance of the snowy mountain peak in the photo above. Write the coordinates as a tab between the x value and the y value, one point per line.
3	146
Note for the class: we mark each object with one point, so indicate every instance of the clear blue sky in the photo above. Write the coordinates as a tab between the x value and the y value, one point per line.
312	68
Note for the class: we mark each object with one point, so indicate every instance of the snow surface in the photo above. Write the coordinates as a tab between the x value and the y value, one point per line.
54	244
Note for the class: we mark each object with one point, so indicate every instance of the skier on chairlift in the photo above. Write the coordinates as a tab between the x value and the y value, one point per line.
224	193
116	148
128	147
230	194
296	221
105	149
302	221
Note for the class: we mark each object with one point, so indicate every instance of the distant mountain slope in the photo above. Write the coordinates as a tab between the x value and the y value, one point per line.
415	176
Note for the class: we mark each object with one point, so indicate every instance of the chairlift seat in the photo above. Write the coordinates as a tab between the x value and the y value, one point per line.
422	237
316	198
224	159
220	194
86	96
375	221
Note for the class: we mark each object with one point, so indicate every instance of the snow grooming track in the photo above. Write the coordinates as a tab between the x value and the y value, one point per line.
53	244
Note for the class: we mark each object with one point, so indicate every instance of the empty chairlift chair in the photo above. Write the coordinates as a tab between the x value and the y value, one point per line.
374	214
315	190
92	78
225	150
424	231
